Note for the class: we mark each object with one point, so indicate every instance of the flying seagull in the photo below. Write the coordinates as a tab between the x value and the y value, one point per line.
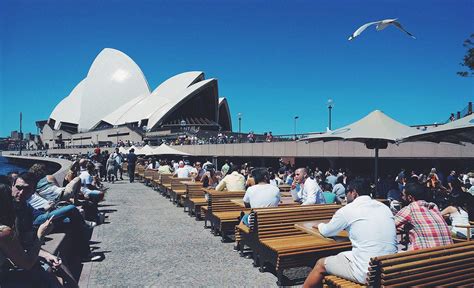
380	26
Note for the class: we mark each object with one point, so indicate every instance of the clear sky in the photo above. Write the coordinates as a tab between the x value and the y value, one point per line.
273	59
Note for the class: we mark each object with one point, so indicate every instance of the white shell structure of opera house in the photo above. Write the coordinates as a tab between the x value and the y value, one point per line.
115	93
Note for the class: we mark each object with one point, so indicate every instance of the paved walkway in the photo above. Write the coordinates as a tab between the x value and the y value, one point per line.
150	242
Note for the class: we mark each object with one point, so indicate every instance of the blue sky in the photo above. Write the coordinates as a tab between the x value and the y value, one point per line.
273	59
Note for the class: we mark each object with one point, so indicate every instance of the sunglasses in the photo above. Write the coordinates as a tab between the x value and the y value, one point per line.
21	187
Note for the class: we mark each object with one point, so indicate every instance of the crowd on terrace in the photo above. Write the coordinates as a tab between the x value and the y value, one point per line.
432	205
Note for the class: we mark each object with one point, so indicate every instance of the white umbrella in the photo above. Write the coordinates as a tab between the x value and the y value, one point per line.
164	149
123	150
375	130
458	131
145	150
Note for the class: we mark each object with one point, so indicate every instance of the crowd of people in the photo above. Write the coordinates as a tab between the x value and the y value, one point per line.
429	208
34	204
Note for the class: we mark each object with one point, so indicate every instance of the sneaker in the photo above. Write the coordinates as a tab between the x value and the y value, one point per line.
92	257
91	224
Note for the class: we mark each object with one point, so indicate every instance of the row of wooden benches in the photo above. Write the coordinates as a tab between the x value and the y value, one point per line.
276	245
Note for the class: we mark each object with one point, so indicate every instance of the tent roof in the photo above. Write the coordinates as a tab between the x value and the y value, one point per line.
145	150
374	126
164	149
461	130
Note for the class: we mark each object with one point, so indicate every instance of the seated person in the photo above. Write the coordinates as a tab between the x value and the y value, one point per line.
458	212
164	167
329	196
308	190
371	230
22	247
262	194
427	226
49	188
181	171
209	179
233	181
66	219
89	189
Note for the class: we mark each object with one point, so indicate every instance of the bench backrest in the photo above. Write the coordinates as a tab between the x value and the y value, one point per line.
194	190
149	173
280	221
439	266
176	183
219	201
165	178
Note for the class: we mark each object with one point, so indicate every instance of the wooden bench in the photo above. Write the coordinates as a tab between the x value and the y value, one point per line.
140	172
165	183
194	199
148	175
177	189
156	180
276	243
439	266
221	213
449	265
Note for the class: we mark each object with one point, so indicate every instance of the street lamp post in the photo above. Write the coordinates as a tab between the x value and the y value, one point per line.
296	118
117	136
240	126
330	104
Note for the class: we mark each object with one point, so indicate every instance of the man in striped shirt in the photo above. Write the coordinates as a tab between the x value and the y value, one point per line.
428	228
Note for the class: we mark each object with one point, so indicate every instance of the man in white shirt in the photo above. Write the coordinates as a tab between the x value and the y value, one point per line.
262	194
233	182
182	171
309	191
371	228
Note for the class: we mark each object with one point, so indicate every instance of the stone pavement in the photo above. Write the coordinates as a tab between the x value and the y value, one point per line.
150	242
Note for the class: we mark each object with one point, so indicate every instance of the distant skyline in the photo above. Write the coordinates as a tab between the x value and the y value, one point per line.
274	60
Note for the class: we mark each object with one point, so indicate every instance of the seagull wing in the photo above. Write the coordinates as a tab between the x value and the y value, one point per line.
399	26
361	29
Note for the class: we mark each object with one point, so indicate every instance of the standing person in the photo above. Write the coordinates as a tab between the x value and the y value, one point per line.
111	169
132	161
119	159
428	226
361	217
309	191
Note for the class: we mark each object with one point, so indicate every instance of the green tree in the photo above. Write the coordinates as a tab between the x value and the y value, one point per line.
468	60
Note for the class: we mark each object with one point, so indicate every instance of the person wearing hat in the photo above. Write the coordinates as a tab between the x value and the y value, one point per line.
132	161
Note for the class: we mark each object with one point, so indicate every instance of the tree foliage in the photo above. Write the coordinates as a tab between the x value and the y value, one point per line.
468	60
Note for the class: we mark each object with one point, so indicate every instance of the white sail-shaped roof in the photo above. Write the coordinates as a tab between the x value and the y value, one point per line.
113	80
171	101
144	107
68	110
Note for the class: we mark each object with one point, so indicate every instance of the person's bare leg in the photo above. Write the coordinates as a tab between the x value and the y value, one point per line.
315	278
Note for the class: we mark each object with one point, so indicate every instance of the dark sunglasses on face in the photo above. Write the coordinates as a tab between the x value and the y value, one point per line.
21	187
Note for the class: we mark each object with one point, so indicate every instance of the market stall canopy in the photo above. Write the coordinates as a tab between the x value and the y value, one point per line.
458	131
145	150
123	150
164	149
376	127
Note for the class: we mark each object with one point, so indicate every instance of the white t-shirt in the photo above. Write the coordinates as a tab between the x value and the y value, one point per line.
86	178
371	228
182	172
262	195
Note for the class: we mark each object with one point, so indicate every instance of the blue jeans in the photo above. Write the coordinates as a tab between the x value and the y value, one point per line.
60	213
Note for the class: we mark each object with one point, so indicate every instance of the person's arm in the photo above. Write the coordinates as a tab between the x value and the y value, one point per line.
52	180
52	260
448	210
311	197
402	217
13	250
221	185
247	199
337	224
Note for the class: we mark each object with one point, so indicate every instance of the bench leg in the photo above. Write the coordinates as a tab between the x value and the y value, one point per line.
282	279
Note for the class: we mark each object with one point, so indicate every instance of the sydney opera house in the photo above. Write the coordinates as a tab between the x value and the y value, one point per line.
114	101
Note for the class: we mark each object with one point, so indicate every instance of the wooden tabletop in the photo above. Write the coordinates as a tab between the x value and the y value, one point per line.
308	228
284	201
198	183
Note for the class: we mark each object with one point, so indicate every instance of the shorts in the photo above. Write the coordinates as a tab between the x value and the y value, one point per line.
339	265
